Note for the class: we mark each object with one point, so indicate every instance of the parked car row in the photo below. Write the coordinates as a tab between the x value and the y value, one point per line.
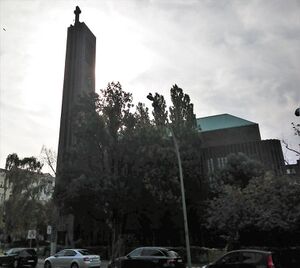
143	257
150	257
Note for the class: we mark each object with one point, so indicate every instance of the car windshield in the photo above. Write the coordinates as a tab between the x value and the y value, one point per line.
27	252
13	250
9	251
135	253
30	251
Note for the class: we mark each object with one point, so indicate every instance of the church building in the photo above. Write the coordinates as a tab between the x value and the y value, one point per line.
226	134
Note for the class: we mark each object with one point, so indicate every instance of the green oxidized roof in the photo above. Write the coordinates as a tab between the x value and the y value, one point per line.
221	121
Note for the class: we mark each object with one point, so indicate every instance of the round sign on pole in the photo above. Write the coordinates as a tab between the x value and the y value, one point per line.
31	234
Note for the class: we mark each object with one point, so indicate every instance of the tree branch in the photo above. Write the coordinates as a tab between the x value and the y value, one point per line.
290	149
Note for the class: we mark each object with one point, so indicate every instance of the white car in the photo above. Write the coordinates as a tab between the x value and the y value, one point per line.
73	258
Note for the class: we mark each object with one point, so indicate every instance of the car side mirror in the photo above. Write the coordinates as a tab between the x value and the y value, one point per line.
55	255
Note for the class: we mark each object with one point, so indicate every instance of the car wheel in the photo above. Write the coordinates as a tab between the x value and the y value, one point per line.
74	265
47	253
15	264
47	264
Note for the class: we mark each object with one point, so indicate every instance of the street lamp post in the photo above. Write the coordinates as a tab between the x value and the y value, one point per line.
186	229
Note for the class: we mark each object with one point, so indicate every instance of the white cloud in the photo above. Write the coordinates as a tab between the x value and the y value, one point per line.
239	57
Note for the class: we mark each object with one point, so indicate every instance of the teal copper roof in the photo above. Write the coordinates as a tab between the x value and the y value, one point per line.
221	121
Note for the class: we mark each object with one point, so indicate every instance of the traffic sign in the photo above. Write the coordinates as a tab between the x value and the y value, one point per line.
49	229
31	234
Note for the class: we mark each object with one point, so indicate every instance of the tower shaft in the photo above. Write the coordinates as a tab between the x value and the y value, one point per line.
79	78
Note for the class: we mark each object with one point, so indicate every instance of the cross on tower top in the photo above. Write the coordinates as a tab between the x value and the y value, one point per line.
77	11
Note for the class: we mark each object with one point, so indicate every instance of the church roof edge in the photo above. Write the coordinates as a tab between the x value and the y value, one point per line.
221	121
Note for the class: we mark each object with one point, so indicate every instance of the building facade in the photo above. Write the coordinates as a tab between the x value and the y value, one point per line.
2	185
225	134
293	169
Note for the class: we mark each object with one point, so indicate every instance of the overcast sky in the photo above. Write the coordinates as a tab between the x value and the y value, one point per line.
237	57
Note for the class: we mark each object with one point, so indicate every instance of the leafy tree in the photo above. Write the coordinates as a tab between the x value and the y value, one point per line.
142	116
159	113
183	124
225	213
239	170
274	203
114	105
269	204
121	156
99	182
25	185
182	115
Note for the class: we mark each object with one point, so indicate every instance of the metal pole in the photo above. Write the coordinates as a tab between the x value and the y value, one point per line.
186	228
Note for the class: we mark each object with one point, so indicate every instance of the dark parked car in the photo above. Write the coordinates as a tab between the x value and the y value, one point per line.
19	257
149	257
247	258
244	259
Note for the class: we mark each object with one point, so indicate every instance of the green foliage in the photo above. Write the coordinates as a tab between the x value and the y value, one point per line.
122	173
182	115
274	202
267	203
159	113
27	163
226	212
142	116
114	105
239	170
25	185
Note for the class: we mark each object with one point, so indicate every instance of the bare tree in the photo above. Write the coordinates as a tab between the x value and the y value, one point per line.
49	157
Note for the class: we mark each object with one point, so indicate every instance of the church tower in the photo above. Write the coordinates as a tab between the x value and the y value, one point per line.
79	78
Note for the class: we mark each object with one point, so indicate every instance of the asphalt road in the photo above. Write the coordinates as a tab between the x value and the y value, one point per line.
103	264
41	264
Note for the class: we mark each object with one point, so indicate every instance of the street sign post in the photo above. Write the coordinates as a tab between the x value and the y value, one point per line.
31	235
